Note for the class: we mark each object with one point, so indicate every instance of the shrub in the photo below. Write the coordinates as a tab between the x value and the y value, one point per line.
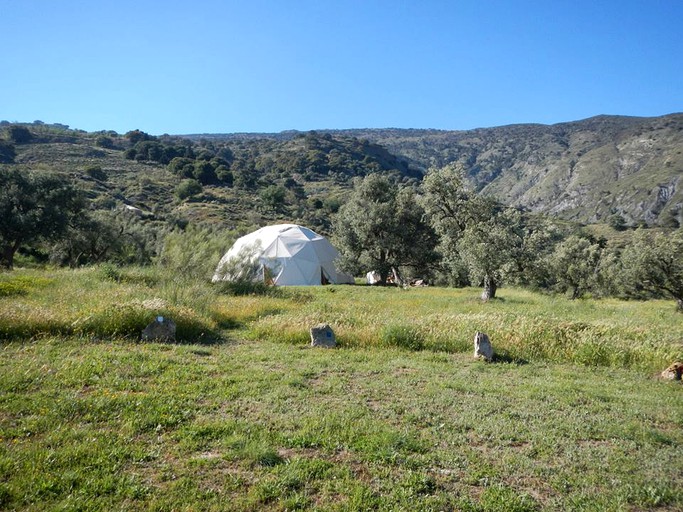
104	142
195	251
95	171
188	188
7	152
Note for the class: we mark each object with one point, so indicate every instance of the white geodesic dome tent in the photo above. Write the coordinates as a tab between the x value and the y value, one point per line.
284	255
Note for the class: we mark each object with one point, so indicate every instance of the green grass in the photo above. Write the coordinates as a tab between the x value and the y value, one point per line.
400	417
250	426
522	325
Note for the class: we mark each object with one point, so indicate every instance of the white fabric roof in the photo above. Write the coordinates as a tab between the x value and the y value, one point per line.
291	254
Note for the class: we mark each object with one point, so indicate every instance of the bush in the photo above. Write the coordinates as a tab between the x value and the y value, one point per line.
188	188
194	252
7	152
19	134
104	142
95	171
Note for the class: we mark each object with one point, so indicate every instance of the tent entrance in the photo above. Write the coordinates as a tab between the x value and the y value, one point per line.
323	277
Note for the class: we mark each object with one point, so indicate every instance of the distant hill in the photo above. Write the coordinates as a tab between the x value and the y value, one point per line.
245	182
585	171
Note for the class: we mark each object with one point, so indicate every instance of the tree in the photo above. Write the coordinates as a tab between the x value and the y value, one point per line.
382	228
480	239
104	141
135	136
652	264
575	265
34	207
273	197
188	188
7	152
450	208
617	222
19	134
182	166
92	238
203	172
491	250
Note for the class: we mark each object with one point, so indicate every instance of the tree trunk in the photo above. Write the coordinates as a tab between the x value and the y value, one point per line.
398	281
8	257
490	288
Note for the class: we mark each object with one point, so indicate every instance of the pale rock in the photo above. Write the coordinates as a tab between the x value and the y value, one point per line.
482	347
673	372
322	335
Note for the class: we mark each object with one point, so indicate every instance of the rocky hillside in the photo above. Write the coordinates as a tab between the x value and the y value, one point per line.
588	171
585	171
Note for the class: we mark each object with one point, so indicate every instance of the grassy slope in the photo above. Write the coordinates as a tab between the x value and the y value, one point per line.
260	422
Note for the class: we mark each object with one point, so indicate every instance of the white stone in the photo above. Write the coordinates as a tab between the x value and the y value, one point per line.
482	347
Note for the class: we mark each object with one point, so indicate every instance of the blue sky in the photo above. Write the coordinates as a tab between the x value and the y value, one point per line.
211	66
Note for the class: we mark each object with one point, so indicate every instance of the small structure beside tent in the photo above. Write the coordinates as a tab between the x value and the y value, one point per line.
284	255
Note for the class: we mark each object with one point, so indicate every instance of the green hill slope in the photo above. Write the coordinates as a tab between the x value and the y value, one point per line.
584	171
246	182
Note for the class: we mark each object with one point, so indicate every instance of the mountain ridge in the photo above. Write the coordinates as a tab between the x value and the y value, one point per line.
586	171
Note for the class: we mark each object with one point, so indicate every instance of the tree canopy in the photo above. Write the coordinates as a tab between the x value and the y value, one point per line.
34	206
382	228
653	264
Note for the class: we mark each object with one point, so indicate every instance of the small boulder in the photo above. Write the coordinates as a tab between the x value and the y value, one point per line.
322	335
673	372
161	329
482	347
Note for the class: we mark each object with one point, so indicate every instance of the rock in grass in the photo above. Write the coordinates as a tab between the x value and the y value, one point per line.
322	335
673	372
161	329
482	347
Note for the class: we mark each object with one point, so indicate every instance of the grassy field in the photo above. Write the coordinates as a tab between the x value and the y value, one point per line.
241	415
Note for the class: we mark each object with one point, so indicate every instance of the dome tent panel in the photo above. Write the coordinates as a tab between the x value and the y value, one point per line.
293	255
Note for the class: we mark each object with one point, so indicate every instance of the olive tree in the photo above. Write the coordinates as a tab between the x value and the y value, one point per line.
491	249
382	228
476	233
653	264
575	265
34	207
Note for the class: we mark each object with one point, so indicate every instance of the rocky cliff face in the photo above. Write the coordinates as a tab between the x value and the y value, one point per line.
585	171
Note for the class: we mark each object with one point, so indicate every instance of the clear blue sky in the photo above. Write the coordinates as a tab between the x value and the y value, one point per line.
210	66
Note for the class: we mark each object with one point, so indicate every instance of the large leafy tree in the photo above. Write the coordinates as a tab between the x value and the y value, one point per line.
491	248
575	265
479	238
34	207
471	239
653	265
382	228
451	208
